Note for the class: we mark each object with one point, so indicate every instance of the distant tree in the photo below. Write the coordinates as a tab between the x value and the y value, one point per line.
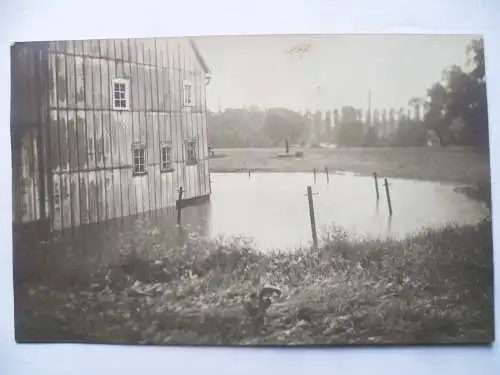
336	117
376	116
370	137
409	133
359	114
415	104
348	114
368	117
351	131
351	134
336	124
235	128
328	127
318	125
435	118
281	123
391	119
460	98
401	115
383	116
384	123
467	98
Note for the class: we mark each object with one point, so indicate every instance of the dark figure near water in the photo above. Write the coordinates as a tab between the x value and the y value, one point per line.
258	304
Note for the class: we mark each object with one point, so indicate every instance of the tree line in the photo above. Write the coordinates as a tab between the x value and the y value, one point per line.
454	111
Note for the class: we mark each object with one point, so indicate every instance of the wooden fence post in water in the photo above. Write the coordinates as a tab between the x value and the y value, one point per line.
179	207
311	217
375	179
314	174
388	194
326	172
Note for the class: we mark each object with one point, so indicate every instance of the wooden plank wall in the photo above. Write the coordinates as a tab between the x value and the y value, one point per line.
29	87
91	145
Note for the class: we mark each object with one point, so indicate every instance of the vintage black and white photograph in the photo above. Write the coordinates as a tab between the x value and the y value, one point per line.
252	190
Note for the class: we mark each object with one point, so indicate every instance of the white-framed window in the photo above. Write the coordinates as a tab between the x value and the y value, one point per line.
139	158
120	88
187	93
166	157
191	151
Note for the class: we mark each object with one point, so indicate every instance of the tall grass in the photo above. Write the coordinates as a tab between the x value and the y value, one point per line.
435	286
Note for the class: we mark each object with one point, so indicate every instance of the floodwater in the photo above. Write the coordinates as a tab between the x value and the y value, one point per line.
272	208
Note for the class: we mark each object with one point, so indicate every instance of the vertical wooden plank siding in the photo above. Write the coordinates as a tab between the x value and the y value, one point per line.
152	124
45	127
72	152
40	178
124	132
133	102
102	181
146	116
29	113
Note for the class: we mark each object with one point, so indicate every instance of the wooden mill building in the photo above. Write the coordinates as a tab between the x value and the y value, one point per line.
103	129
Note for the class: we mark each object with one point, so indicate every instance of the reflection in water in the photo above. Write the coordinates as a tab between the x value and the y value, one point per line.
389	225
272	209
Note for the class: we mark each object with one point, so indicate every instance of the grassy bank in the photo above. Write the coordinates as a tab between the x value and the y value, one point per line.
433	287
455	165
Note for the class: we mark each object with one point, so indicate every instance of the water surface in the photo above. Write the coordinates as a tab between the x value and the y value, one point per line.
272	208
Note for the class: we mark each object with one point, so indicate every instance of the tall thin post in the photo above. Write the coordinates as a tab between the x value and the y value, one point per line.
388	194
314	173
375	180
179	206
311	217
389	224
326	172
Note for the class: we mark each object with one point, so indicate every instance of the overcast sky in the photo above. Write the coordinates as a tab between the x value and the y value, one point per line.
335	71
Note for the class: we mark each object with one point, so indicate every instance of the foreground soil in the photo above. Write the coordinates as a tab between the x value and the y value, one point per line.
436	287
456	165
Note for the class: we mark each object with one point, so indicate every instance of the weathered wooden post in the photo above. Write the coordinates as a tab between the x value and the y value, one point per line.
179	206
311	217
326	172
314	174
375	180
287	146
249	173
388	194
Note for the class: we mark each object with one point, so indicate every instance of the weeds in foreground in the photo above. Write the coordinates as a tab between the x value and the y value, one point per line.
433	287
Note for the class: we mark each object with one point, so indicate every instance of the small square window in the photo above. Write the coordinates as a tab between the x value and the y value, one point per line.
166	157
188	94
191	152
139	159
120	94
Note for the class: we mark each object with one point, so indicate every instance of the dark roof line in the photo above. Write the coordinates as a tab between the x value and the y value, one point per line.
199	57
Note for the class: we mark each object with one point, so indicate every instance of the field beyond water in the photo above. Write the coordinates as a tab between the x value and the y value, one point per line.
434	287
453	164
